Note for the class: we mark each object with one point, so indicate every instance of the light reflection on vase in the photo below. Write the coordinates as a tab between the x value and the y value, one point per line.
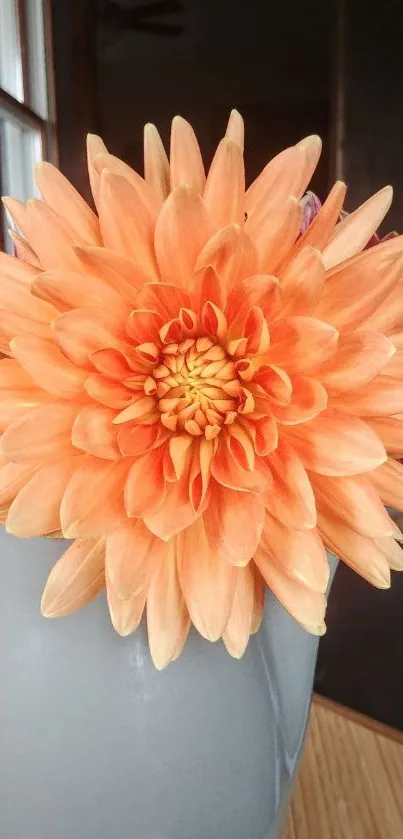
97	743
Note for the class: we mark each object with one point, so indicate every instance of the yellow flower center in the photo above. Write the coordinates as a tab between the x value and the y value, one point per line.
196	386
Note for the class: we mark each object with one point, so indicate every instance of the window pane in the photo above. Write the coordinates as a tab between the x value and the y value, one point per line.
21	148
36	57
10	54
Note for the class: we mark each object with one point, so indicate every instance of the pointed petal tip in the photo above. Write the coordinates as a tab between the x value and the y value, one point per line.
46	608
313	140
179	122
93	139
160	665
151	130
379	578
318	629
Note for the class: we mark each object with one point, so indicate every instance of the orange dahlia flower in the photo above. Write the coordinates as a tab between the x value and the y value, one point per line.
199	396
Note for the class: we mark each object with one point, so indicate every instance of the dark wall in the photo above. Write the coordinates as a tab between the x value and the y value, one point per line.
272	61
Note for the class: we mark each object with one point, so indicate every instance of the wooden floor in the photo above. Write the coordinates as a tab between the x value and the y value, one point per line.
350	781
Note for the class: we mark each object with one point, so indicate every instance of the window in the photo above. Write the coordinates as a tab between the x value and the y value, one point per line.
27	113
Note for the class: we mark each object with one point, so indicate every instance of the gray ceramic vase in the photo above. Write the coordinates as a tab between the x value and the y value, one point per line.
96	743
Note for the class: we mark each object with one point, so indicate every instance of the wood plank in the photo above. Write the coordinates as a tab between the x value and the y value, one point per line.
350	781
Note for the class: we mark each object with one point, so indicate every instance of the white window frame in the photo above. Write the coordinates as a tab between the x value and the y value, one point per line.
30	114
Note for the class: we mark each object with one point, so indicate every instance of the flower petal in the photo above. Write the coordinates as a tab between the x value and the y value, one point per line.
13	477
176	511
126	224
81	332
225	187
355	230
167	616
382	396
67	290
41	433
359	552
233	524
291	498
181	231
156	163
202	575
52	238
355	289
135	440
235	129
275	233
95	146
185	157
300	344
358	358
106	163
275	183
49	368
164	299
258	598
17	270
311	147
36	509
297	553
123	275
355	502
231	253
301	283
94	433
336	444
93	501
17	299
388	482
389	311
125	614
76	578
305	605
15	404
319	232
60	196
392	551
107	392
228	472
111	363
390	431
133	554
145	485
238	630
14	326
308	399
